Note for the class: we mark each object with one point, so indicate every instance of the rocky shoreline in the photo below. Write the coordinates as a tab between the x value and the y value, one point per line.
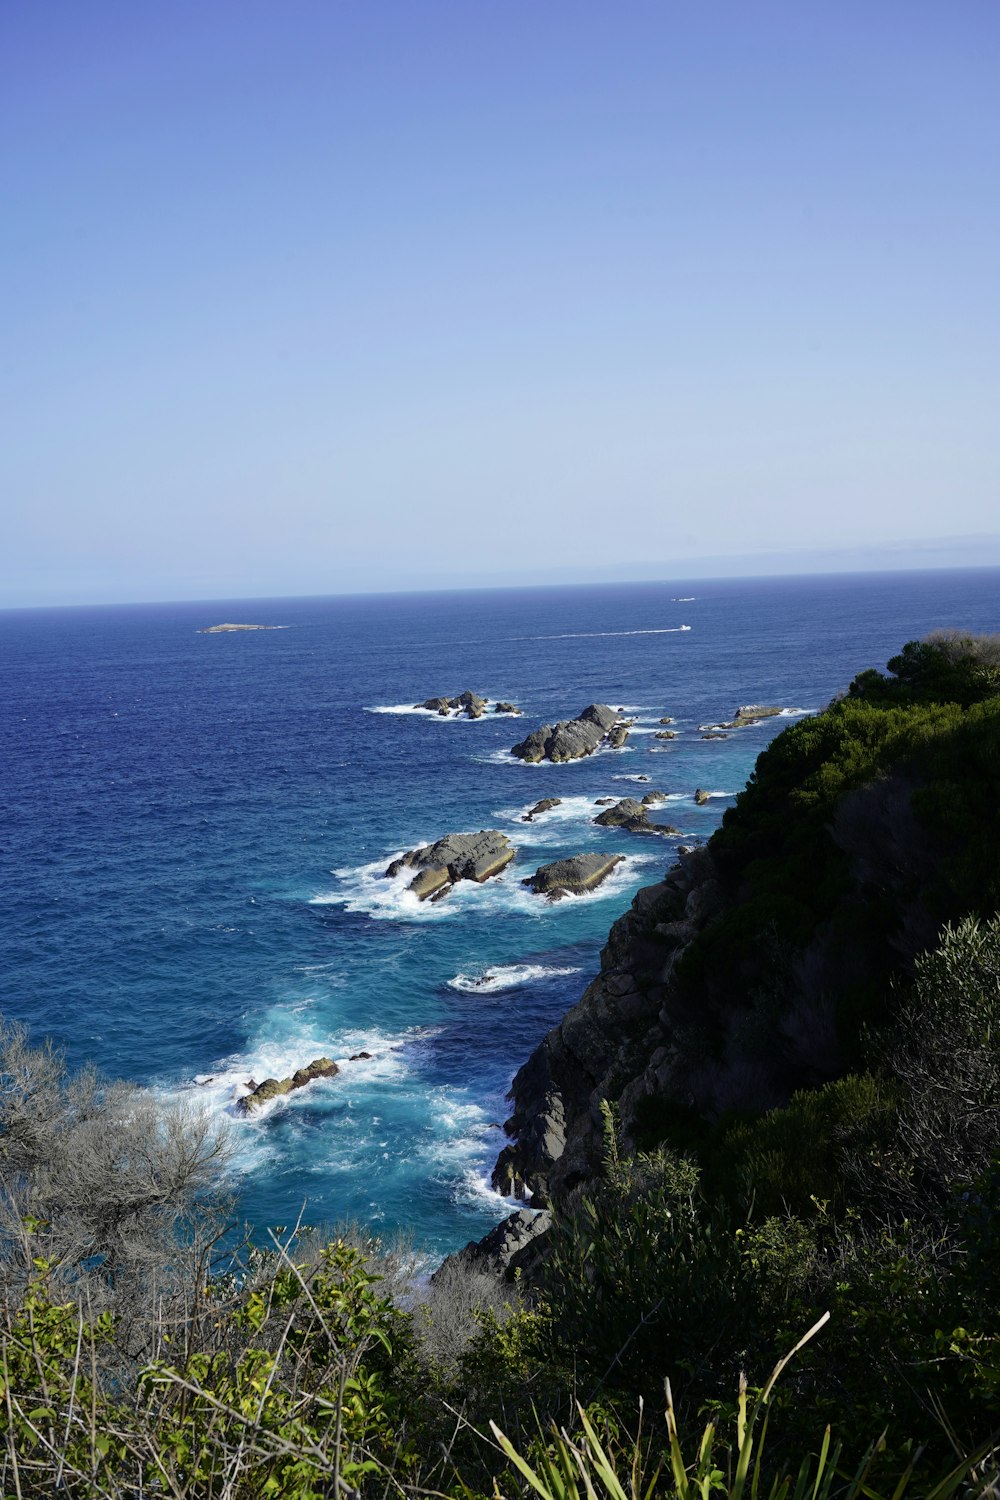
618	1043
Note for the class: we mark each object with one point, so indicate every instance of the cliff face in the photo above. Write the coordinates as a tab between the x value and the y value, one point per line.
617	1042
762	962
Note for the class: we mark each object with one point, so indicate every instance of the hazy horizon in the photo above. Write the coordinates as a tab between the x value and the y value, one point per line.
826	564
346	298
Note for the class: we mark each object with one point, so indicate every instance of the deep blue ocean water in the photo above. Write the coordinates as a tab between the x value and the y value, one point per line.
194	829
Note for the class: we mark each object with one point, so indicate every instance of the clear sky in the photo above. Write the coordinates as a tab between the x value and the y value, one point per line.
318	295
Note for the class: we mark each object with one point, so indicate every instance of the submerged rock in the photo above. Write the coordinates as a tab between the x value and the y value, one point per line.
570	739
274	1088
573	876
458	856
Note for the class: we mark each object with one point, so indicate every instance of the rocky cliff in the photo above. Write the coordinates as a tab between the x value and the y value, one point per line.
765	961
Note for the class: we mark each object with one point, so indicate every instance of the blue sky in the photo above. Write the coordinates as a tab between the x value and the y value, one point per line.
318	296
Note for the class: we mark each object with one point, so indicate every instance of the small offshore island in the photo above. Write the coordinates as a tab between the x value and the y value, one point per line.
222	629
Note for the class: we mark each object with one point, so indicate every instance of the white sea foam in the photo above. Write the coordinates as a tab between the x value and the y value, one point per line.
589	635
365	889
785	713
505	977
504	758
463	1145
635	776
405	708
549	826
279	1056
452	716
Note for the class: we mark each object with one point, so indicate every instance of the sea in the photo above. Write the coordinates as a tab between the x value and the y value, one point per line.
195	828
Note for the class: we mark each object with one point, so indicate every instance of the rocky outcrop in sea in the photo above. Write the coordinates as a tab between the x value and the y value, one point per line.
573	876
468	703
570	739
633	816
274	1088
457	856
545	805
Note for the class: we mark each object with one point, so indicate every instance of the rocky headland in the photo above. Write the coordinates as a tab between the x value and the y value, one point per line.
616	1043
457	856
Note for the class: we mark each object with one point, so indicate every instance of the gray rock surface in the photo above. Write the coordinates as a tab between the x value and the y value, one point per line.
617	736
458	856
570	739
515	1244
701	797
506	708
572	876
751	712
616	1043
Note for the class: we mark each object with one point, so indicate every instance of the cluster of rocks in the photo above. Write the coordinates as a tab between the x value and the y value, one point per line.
571	739
458	856
634	816
468	703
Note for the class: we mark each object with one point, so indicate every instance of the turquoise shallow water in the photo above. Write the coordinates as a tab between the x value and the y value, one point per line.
194	829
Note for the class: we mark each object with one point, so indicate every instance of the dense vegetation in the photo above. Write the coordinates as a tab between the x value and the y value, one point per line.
143	1353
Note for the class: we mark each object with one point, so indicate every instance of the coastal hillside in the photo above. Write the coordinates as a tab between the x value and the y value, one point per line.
770	959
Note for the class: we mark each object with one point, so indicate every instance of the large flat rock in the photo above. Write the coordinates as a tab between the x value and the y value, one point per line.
573	876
